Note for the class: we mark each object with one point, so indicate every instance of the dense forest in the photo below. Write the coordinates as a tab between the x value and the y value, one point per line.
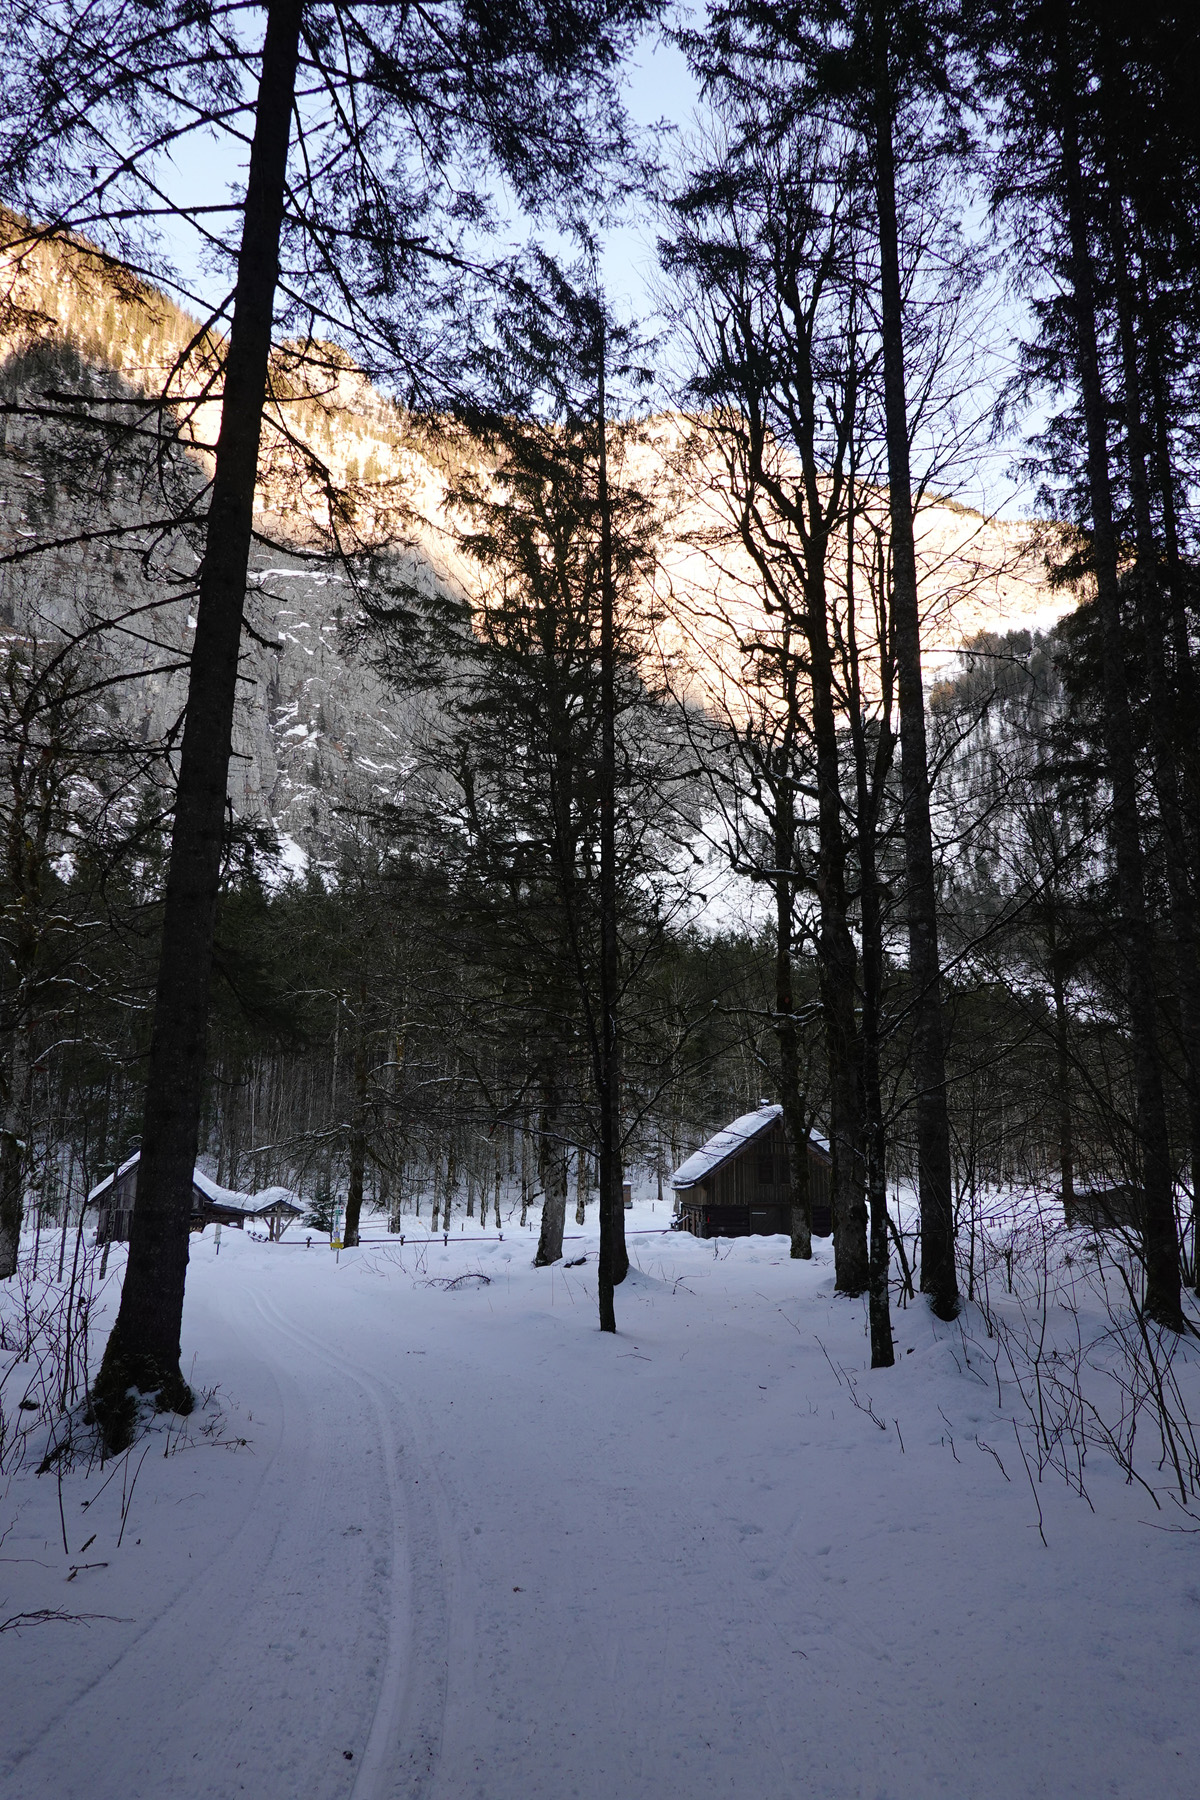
639	839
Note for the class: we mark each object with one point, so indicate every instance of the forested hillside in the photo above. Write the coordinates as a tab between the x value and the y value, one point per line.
347	1055
599	899
376	1030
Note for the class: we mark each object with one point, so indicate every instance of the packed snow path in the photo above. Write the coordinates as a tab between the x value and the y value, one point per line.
494	1555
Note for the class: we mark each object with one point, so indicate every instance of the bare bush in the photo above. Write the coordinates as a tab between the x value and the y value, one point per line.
46	1325
1077	1363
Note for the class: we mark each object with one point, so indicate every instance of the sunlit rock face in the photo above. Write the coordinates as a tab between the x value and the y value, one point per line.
112	520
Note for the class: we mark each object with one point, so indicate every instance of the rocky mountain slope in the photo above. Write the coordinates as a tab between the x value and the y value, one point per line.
102	491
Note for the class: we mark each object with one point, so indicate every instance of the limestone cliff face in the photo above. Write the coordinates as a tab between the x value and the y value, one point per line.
975	574
313	721
102	490
104	456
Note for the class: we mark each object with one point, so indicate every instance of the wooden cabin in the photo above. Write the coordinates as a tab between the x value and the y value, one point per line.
116	1196
738	1184
1105	1206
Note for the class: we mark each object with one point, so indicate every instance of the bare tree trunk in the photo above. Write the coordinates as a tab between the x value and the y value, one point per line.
795	1122
552	1174
25	863
883	1353
62	1242
143	1348
358	1132
613	1262
1185	708
14	1149
1161	1245
838	959
938	1275
1062	1069
872	768
1185	937
524	1177
451	1187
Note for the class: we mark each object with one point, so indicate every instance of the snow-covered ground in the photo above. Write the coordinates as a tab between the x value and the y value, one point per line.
471	1549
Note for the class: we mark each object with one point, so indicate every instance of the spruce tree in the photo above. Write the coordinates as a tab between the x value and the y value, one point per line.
352	237
1080	91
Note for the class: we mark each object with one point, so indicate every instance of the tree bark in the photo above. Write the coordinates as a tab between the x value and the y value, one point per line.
143	1349
25	866
939	1278
358	1132
14	1148
838	958
1163	1299
613	1262
1148	576
1185	703
451	1187
883	1353
1062	1067
580	1185
552	1174
795	1123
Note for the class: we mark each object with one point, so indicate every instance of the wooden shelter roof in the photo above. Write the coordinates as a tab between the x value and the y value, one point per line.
729	1142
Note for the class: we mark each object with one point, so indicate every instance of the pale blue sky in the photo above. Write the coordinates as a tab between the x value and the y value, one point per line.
660	88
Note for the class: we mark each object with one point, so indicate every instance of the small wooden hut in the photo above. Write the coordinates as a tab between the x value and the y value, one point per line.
738	1185
116	1196
277	1208
1105	1206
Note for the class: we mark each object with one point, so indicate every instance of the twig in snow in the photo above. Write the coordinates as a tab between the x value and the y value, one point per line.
844	1378
58	1470
127	1502
1032	1487
950	1435
78	1568
51	1615
982	1446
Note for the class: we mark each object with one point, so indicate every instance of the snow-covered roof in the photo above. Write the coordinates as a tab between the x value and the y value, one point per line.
102	1187
220	1195
271	1197
725	1144
728	1142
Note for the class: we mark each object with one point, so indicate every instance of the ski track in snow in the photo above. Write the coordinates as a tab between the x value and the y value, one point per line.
405	1738
199	1701
496	1556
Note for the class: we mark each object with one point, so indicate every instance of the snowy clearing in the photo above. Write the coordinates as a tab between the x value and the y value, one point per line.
473	1548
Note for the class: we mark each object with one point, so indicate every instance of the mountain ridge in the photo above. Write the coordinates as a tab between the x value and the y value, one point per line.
315	719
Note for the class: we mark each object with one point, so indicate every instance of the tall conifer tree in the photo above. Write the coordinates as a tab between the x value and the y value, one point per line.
362	227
